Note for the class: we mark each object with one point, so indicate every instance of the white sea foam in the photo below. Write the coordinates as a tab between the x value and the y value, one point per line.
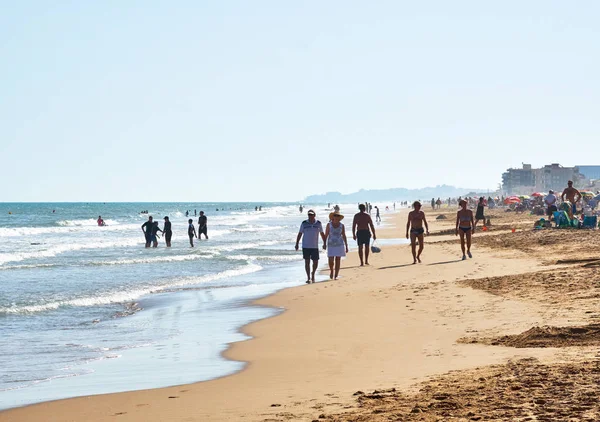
248	245
252	229
276	258
127	296
63	248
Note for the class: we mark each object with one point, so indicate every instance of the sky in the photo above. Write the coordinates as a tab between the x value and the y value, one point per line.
276	100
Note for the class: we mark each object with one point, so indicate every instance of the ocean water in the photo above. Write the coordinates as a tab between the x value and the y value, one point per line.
88	310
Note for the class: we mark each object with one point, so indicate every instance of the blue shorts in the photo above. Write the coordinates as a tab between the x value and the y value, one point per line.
417	232
150	238
311	253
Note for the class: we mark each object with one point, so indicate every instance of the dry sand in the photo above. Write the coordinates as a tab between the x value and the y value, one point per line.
482	339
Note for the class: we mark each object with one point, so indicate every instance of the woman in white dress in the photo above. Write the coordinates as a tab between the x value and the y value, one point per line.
337	244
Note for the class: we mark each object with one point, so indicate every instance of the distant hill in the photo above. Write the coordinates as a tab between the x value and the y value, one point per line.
393	195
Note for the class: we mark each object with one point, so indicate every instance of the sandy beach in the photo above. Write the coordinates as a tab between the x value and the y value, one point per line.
508	335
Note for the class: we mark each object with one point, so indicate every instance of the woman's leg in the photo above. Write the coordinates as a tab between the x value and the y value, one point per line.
331	267
338	260
421	246
468	242
413	245
462	241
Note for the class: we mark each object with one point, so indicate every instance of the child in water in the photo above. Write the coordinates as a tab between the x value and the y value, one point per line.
191	232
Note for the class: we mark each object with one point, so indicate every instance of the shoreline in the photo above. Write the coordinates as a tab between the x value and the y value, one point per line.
267	358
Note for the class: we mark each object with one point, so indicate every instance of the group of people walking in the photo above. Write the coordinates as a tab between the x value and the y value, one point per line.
334	240
336	244
150	229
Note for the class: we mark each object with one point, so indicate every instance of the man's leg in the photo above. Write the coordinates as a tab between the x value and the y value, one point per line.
367	250
421	246
360	254
314	270
307	269
413	246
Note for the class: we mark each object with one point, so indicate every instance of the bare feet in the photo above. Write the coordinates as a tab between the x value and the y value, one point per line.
419	259
366	263
331	274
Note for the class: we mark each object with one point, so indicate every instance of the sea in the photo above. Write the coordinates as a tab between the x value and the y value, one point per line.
89	310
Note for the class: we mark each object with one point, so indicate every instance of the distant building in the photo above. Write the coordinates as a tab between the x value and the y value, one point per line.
528	180
518	181
589	173
555	176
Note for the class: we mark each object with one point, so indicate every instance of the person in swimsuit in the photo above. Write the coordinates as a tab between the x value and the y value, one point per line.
147	229
155	230
191	232
465	225
479	213
360	232
202	228
167	231
337	244
416	219
570	193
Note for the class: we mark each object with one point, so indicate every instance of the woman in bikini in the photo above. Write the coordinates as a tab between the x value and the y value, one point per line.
415	222
465	226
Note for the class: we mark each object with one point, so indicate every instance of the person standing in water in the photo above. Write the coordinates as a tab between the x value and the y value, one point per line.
147	229
202	228
465	226
167	232
377	216
416	219
155	230
337	244
360	232
309	232
191	232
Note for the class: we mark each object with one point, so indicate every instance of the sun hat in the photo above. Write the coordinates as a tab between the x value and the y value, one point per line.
311	212
336	214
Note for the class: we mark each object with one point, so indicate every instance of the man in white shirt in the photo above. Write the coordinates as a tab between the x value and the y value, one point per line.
310	229
550	201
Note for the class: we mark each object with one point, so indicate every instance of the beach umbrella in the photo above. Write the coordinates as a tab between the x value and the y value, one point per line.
524	196
586	193
538	194
512	200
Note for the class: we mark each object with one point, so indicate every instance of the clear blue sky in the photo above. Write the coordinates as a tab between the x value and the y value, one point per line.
276	100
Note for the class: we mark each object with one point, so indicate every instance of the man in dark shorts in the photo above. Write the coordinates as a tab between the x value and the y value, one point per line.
202	229
310	229
360	232
147	229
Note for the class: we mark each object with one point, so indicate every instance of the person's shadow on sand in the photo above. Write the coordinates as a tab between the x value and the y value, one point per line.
446	262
